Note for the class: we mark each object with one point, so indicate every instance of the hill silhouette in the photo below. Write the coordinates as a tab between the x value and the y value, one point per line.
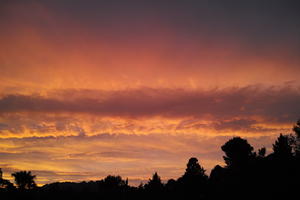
247	174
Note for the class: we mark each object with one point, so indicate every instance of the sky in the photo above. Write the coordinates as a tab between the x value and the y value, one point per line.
92	88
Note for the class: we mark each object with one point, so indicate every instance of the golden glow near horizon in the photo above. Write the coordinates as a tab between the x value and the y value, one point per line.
121	91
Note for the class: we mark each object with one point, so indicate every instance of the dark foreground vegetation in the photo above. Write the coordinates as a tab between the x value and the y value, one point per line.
246	175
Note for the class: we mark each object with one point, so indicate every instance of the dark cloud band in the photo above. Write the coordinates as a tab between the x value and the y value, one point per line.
273	103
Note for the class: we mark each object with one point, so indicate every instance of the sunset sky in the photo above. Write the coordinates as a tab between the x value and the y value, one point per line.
91	88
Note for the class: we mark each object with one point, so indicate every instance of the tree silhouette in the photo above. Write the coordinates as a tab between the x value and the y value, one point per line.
262	152
171	185
296	139
282	147
194	180
114	181
296	128
24	180
193	168
238	152
217	173
154	184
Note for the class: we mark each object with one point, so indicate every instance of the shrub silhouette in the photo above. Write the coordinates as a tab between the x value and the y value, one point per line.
5	184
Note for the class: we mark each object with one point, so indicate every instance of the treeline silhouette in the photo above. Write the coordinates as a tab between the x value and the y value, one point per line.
246	175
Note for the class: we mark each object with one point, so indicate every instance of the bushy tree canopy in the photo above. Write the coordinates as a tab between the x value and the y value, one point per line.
237	152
